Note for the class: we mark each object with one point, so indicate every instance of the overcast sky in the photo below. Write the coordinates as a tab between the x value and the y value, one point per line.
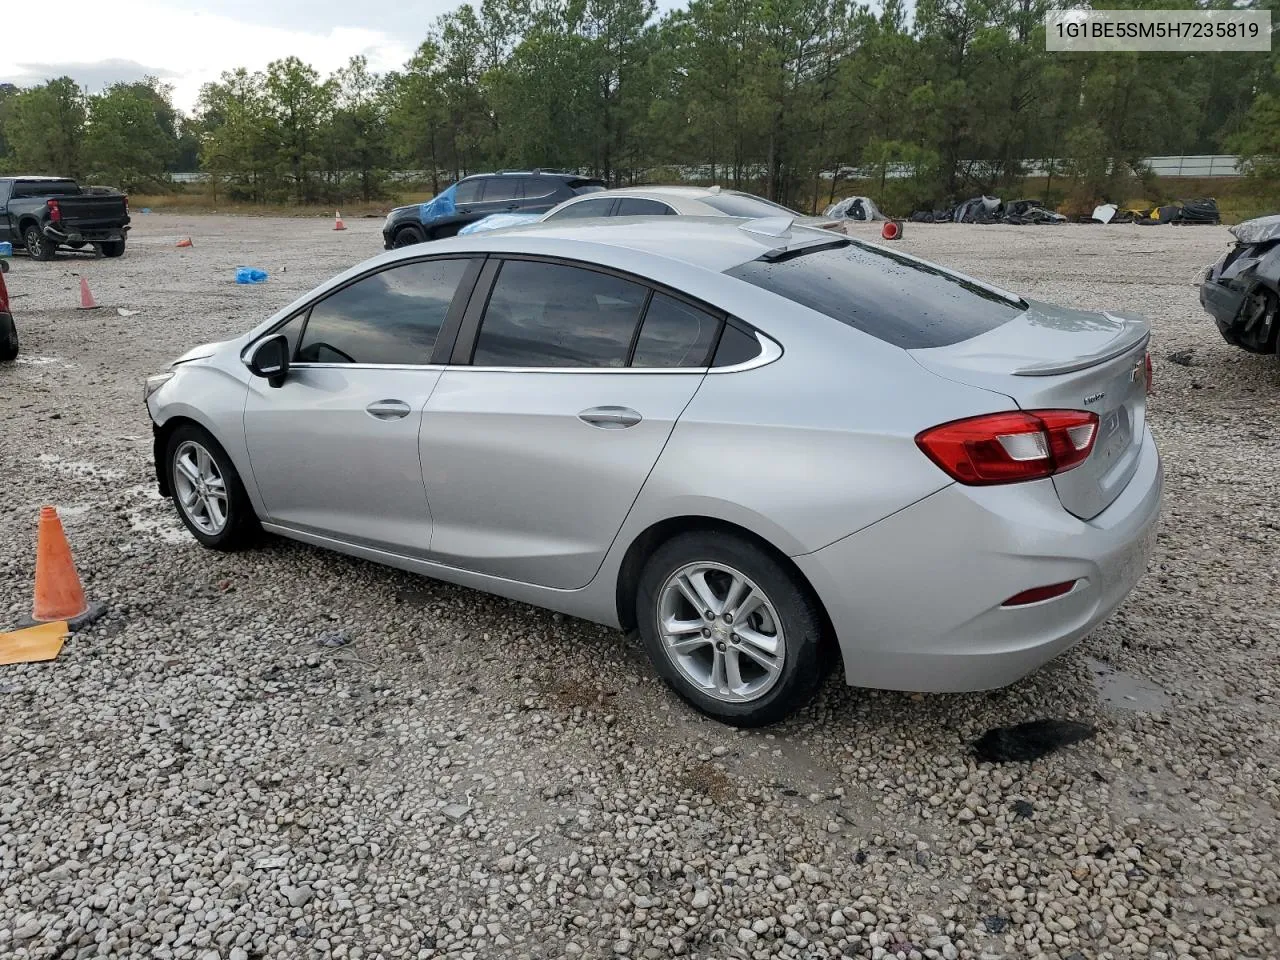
190	42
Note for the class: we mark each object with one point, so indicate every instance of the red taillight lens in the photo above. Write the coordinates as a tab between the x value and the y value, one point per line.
1037	594
1150	375
1011	447
4	296
126	202
55	212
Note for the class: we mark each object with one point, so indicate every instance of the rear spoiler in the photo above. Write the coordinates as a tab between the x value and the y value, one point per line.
1133	334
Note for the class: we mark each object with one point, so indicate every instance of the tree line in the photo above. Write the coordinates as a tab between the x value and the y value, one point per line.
756	94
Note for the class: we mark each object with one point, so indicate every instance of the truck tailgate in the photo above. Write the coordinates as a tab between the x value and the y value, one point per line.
90	212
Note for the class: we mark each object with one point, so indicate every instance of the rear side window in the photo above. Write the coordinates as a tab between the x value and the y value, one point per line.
552	315
674	334
736	346
536	188
894	298
501	188
393	316
596	207
640	207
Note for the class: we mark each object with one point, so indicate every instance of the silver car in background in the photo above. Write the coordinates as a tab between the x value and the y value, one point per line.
768	449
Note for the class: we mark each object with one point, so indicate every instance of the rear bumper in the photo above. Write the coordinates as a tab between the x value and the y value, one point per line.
916	598
74	234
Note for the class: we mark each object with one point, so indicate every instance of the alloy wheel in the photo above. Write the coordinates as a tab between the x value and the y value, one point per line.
200	487
721	631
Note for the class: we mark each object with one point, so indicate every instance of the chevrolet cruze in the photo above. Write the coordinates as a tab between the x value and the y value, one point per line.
767	449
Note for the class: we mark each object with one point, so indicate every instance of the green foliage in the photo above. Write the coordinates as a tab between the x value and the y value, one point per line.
132	135
765	95
44	129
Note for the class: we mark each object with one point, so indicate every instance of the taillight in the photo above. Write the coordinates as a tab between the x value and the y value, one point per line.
1011	447
55	212
126	202
1150	376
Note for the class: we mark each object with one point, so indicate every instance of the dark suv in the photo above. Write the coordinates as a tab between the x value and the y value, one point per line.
476	197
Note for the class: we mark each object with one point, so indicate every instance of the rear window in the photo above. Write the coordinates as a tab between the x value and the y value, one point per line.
745	205
45	188
579	187
894	298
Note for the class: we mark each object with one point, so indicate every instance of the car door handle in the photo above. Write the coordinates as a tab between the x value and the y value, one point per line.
610	418
387	409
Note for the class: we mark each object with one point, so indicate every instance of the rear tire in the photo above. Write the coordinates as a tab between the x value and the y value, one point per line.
406	237
207	491
39	247
747	671
8	338
113	248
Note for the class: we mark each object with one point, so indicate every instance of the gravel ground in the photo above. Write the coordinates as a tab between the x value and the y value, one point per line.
292	753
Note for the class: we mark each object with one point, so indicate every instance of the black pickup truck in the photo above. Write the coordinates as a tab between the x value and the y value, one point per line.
41	214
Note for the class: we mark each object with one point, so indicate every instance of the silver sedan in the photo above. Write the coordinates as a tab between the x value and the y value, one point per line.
769	450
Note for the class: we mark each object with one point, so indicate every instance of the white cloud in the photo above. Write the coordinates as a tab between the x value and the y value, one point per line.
186	47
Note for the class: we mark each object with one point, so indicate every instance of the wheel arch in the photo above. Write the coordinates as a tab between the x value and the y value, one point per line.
24	223
652	537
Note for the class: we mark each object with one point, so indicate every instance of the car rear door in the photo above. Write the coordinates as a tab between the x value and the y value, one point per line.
334	449
566	384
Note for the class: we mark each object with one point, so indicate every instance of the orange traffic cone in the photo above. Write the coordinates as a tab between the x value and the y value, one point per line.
892	230
59	595
337	221
184	242
86	298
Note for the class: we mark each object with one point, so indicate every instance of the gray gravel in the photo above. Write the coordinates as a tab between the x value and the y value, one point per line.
206	774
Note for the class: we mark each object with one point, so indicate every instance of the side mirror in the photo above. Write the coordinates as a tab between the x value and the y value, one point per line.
270	359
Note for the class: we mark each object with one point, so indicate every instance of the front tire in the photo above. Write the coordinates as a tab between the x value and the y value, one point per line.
733	632
39	247
113	248
207	491
406	237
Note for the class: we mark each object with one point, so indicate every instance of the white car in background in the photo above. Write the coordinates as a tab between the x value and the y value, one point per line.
654	202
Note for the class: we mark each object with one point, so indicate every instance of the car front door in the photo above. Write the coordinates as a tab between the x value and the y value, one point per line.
537	442
334	449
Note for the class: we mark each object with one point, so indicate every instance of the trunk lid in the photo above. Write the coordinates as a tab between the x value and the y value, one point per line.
1054	357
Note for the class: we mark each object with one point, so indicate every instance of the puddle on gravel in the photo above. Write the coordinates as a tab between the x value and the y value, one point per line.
155	516
42	361
1125	691
80	469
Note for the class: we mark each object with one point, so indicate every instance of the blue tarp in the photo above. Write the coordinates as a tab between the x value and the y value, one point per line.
497	221
438	207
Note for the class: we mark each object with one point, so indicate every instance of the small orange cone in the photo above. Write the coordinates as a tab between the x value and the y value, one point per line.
185	242
892	230
337	221
86	298
59	595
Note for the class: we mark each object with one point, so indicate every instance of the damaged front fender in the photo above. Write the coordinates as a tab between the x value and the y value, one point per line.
1242	292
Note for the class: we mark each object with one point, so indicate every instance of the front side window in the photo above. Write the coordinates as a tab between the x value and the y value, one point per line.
552	315
466	191
391	317
674	334
595	207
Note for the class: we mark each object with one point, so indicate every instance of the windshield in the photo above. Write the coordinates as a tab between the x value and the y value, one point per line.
903	301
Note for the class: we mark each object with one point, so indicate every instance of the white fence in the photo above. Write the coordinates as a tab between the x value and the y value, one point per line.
1212	165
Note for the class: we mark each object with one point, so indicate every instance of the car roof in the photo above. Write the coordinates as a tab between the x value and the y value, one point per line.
712	243
41	179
